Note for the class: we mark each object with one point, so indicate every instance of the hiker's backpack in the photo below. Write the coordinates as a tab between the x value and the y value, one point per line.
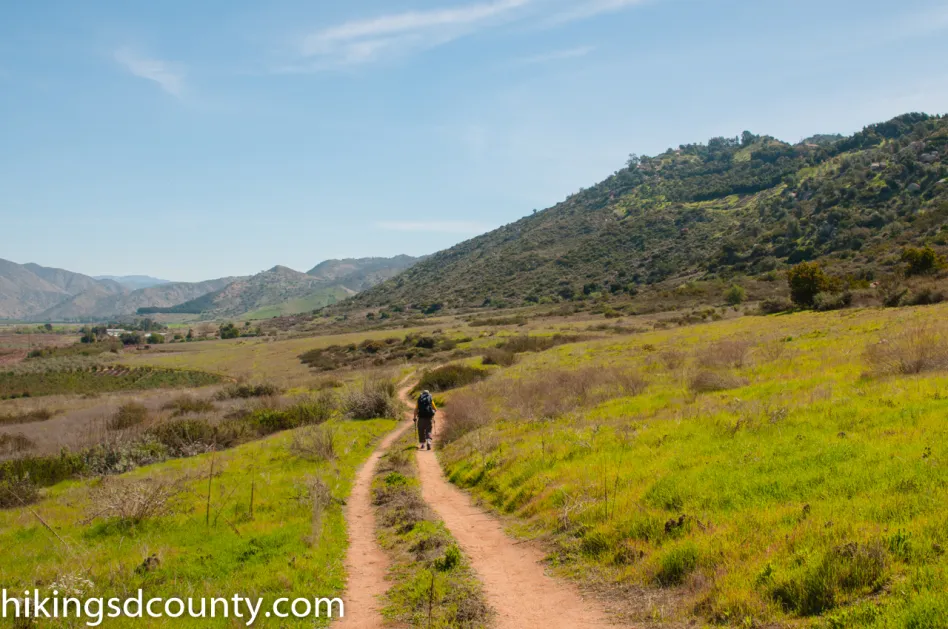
426	405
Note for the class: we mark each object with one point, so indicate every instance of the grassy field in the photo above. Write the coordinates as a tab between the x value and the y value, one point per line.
269	525
785	469
257	359
100	380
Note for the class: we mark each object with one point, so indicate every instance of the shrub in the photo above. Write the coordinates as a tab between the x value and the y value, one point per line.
709	381
450	377
806	280
916	350
128	415
922	261
727	353
186	404
497	356
246	391
15	443
187	436
469	412
17	492
525	343
735	295
27	417
229	331
924	297
132	502
825	301
774	306
851	569
316	443
371	399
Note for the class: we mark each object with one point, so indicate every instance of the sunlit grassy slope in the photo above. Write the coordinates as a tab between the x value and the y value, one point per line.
281	550
813	494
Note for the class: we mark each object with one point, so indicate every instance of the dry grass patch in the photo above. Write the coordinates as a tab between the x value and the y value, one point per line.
188	405
727	353
371	399
27	417
132	502
315	443
916	350
128	415
16	443
706	381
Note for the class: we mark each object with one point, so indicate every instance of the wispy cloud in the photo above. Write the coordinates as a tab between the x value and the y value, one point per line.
443	227
556	55
363	41
169	79
591	8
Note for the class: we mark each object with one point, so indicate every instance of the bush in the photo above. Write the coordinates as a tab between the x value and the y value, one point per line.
15	444
450	377
469	412
17	492
848	570
922	261
372	399
27	417
189	436
497	356
924	297
229	331
735	295
132	502
832	301
525	343
186	404
806	280
727	353
916	350
774	306
711	381
247	391
316	443
128	415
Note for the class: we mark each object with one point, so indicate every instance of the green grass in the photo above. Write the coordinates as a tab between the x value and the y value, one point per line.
100	380
323	297
813	493
282	550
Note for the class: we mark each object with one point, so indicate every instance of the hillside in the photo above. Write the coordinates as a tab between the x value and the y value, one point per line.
733	206
97	304
283	291
28	289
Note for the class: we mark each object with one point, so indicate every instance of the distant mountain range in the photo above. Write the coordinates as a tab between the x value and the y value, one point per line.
37	293
134	282
283	291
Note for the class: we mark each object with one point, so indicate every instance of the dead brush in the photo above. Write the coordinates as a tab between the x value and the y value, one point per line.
468	413
315	443
127	416
17	443
556	393
132	502
916	350
706	381
731	353
188	405
371	399
672	358
27	417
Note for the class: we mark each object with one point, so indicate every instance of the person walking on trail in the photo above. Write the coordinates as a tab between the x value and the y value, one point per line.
424	419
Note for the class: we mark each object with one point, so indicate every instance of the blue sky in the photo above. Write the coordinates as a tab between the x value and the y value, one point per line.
192	140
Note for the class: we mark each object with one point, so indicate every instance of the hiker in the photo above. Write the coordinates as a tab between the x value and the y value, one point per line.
424	419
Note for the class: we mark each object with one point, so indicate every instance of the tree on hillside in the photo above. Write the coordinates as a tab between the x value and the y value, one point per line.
922	261
806	280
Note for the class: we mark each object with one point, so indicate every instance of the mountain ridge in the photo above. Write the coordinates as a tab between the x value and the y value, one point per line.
745	205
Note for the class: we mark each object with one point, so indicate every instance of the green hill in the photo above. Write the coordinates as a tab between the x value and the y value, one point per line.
746	205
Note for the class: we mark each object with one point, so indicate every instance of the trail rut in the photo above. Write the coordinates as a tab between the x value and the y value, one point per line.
366	563
512	574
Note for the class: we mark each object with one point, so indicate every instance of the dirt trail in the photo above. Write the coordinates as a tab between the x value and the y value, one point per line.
514	580
366	564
